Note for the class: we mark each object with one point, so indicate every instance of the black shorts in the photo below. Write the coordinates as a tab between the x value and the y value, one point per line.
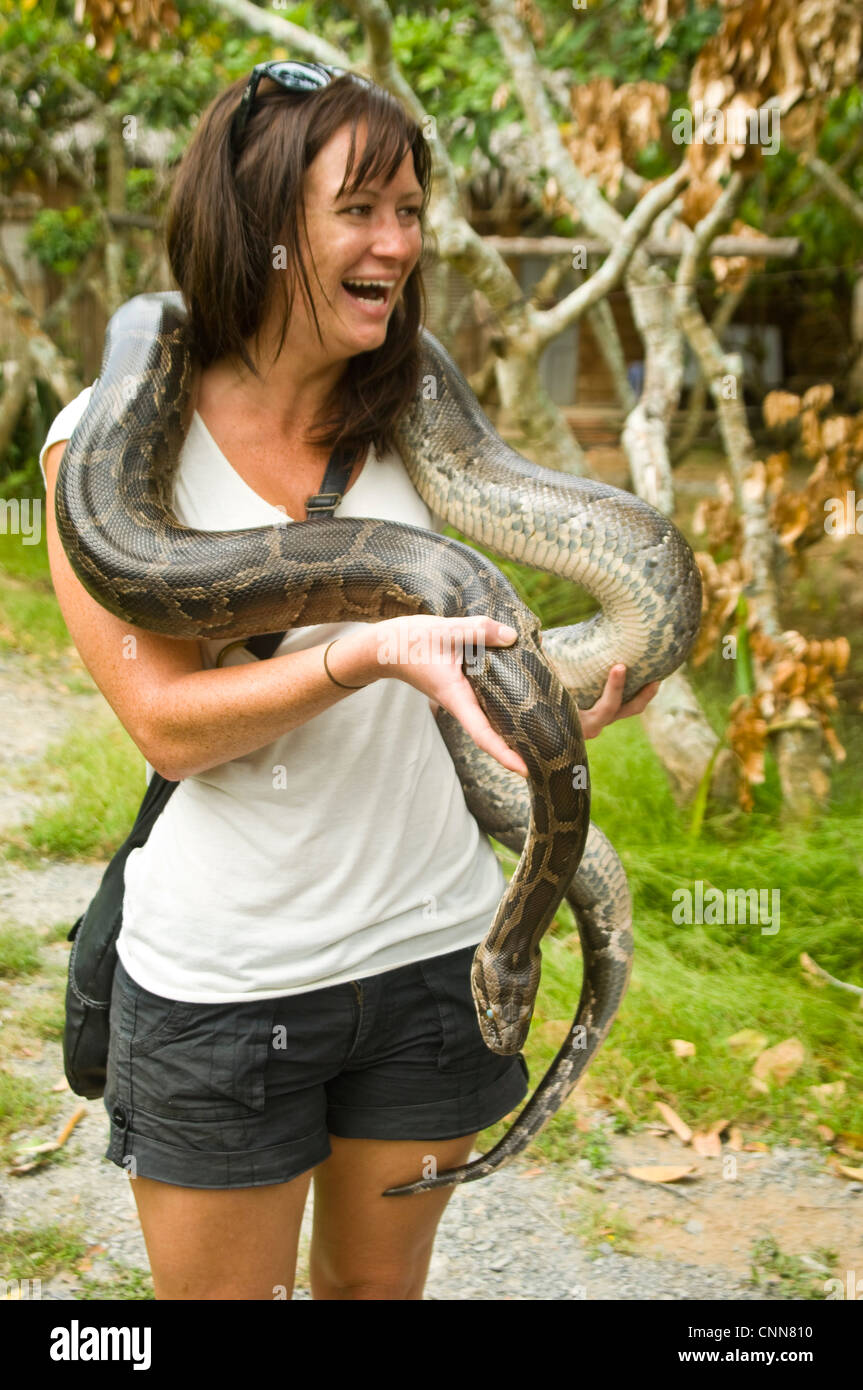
246	1094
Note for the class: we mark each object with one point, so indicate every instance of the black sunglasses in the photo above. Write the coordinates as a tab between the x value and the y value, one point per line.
293	76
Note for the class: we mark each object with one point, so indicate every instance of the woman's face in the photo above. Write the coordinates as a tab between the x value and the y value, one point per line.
374	234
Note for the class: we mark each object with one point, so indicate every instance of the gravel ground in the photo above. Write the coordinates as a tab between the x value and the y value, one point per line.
509	1236
505	1237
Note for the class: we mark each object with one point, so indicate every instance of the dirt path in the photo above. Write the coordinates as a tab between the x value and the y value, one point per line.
532	1231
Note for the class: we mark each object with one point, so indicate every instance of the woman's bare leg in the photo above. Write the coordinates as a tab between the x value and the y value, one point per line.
231	1243
365	1246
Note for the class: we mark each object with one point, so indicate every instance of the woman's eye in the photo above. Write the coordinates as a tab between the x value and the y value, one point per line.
366	207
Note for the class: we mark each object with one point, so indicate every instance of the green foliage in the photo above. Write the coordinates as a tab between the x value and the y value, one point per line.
448	54
60	239
828	231
454	64
613	39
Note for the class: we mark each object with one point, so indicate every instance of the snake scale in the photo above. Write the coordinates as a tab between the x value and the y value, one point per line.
114	517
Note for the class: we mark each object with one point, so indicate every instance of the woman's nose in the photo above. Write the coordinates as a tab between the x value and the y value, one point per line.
393	237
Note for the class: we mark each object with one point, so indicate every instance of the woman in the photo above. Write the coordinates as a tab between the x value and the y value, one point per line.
292	998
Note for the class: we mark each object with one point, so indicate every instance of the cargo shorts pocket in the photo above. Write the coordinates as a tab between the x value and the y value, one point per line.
201	1062
148	1018
448	980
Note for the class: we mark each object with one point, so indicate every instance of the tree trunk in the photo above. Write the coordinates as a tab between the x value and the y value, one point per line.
604	330
724	314
800	752
675	725
14	396
528	411
645	437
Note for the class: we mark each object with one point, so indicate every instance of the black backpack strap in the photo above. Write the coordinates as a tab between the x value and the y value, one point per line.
320	504
336	478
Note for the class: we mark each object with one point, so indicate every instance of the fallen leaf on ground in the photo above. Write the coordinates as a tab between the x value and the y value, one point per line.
86	1261
854	1141
621	1104
747	1041
760	1086
661	1173
778	1064
34	1155
735	1140
707	1145
681	1048
680	1127
62	1085
755	1146
855	1174
825	1133
830	1090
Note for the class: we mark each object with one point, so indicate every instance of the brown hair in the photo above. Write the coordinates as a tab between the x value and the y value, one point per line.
223	223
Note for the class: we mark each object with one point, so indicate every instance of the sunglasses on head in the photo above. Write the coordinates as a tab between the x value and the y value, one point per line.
293	76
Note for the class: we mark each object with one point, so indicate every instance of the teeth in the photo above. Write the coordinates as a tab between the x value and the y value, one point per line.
384	285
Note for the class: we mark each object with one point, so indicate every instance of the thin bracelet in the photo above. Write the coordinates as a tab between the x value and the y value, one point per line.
332	677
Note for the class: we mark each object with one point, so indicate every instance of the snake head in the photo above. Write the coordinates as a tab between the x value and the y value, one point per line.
504	1003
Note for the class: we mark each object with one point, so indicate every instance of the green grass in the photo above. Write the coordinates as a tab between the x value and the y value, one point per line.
28	562
19	952
59	931
597	1224
30	617
39	1252
95	778
704	983
46	1020
786	1274
23	1106
698	982
122	1283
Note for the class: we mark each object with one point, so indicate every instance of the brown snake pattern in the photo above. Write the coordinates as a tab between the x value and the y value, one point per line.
114	518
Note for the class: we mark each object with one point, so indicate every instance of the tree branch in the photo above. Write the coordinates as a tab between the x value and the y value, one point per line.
840	190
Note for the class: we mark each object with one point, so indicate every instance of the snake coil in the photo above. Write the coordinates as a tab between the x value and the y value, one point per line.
114	516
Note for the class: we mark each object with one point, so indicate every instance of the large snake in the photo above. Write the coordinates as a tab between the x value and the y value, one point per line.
114	517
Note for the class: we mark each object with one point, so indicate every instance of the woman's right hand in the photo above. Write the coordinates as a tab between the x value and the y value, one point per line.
428	653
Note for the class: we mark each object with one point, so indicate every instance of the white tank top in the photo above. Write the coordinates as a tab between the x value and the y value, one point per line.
340	850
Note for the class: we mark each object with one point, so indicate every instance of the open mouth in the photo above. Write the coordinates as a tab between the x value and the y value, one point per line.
367	293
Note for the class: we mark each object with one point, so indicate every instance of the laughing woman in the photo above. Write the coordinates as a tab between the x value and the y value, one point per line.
284	1008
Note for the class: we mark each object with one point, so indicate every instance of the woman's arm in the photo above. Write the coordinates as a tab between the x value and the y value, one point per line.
186	720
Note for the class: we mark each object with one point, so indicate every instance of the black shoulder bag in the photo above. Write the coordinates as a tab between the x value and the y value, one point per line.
93	957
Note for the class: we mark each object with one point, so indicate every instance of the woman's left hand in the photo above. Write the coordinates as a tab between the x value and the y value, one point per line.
608	707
